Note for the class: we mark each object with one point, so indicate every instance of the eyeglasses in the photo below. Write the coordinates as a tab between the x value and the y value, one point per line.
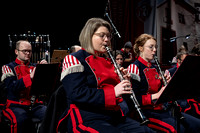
25	51
103	35
151	47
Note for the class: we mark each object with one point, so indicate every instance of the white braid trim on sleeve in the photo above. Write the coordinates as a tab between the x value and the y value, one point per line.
134	72
4	76
6	72
135	76
72	69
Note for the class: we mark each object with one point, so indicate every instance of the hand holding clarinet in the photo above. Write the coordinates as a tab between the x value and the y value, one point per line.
124	87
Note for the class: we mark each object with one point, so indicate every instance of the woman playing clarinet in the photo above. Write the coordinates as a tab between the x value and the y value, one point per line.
92	87
148	86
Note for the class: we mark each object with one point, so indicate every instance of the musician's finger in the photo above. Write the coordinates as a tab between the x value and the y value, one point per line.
125	71
127	76
43	61
127	88
125	81
127	92
121	69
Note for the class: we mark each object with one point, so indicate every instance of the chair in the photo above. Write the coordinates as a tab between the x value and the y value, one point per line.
4	123
55	108
32	125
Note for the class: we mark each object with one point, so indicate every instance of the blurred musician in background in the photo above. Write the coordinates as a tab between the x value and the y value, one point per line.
17	76
179	57
148	86
75	48
118	57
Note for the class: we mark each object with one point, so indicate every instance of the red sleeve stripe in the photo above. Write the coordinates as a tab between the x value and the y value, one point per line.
6	69
69	61
73	60
76	60
133	69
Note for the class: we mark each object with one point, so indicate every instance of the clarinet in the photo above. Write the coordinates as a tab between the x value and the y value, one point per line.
160	71
132	97
165	83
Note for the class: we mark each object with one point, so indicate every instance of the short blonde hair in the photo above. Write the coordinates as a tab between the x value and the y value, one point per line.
88	31
140	41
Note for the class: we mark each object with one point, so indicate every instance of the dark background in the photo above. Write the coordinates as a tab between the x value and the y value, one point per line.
64	20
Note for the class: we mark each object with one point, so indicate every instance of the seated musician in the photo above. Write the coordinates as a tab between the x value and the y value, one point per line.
17	76
92	87
148	86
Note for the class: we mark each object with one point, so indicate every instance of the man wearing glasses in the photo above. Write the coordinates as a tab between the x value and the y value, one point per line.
17	76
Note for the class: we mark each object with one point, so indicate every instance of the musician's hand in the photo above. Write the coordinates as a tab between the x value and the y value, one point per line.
167	76
43	61
157	95
124	87
125	73
32	73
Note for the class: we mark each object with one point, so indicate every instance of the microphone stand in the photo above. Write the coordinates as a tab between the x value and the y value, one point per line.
115	31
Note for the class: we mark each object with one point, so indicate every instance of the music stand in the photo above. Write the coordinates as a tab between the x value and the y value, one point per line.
45	79
58	56
184	84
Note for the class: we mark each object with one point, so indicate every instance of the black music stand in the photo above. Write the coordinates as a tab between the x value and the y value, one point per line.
45	79
183	85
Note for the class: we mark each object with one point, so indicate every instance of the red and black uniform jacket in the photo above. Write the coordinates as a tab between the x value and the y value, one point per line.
145	83
89	83
16	76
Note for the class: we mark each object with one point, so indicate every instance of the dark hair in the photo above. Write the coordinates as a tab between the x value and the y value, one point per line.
179	54
128	45
195	50
72	49
117	52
